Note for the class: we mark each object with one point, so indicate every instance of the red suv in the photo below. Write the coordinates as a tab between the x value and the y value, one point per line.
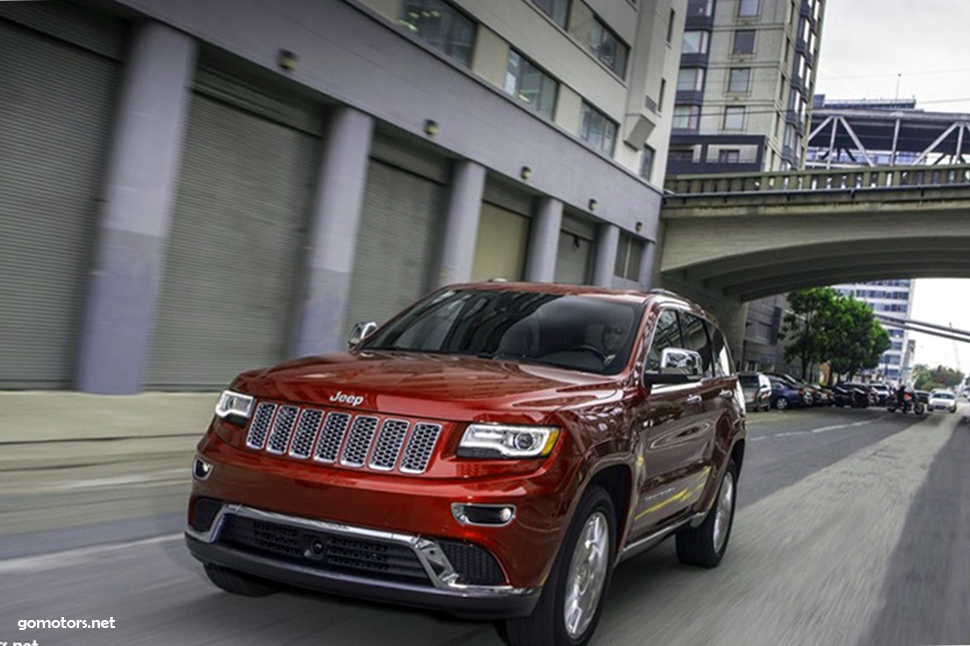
493	451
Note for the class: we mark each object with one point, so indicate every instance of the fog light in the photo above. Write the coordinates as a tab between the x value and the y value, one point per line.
201	469
496	515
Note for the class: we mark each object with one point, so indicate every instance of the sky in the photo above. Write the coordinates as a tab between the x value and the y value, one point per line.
866	45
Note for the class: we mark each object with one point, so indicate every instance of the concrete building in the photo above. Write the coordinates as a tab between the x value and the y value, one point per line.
745	85
190	188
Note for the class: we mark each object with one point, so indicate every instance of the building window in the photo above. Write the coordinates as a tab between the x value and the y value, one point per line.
609	49
743	42
441	26
729	156
748	8
700	8
690	79
529	84
629	256
596	129
670	26
687	117
646	162
663	91
740	80
734	117
681	154
696	42
558	10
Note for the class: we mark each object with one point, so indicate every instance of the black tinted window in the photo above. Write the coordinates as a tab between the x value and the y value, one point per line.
666	334
696	333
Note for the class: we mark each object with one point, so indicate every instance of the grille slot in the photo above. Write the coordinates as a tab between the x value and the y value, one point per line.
331	437
324	550
259	428
279	439
389	443
358	441
306	432
474	565
420	447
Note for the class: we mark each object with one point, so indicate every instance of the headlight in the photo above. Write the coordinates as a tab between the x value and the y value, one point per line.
512	442
234	406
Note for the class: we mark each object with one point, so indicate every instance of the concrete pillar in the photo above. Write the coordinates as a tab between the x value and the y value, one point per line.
461	225
646	265
544	245
134	221
321	319
606	244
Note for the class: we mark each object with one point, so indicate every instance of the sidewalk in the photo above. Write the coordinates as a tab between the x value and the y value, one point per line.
70	460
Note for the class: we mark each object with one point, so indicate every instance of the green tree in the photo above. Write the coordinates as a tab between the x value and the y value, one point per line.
808	326
859	340
926	378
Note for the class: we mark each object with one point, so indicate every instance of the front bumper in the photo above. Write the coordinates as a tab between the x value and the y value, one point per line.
441	592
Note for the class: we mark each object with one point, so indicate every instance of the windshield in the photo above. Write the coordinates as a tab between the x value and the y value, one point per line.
577	332
748	380
942	395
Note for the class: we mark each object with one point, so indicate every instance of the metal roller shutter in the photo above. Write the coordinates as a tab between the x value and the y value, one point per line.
56	105
399	232
227	295
575	251
501	244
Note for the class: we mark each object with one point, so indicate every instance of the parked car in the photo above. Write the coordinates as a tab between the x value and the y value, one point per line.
882	392
784	395
810	394
942	400
923	396
848	394
494	452
756	389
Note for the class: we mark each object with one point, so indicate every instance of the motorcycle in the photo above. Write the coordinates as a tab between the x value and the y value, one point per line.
910	403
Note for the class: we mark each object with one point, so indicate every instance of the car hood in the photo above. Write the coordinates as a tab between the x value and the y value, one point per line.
446	387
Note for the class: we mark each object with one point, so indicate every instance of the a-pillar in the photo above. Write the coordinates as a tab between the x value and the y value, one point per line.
143	162
321	319
544	245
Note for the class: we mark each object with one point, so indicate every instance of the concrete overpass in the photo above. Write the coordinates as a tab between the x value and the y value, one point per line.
728	239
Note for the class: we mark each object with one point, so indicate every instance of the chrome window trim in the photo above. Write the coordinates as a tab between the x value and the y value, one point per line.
436	565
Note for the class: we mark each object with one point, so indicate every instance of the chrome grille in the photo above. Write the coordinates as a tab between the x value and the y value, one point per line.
331	437
420	447
279	439
259	428
358	441
335	437
389	443
306	433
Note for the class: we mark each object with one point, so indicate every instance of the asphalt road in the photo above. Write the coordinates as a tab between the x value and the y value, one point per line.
853	528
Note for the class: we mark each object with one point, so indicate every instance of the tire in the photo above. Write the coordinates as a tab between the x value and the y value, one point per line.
705	545
238	583
781	403
918	408
594	521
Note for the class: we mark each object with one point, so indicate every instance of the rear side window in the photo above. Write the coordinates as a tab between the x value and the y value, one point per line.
666	334
696	333
722	355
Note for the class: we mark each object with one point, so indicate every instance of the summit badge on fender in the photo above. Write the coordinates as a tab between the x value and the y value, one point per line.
353	400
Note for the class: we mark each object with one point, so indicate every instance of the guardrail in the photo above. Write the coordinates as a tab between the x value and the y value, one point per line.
838	179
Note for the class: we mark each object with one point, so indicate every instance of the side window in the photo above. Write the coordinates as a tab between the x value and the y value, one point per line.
696	333
666	334
722	354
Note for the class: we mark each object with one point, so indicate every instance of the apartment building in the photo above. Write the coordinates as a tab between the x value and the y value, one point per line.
744	90
195	187
892	298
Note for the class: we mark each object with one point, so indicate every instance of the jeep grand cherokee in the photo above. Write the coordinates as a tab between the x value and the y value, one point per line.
493	451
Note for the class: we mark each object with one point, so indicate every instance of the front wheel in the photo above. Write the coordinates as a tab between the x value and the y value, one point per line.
781	404
571	601
918	408
705	545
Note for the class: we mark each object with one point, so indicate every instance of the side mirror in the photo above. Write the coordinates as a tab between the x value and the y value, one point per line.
677	366
360	332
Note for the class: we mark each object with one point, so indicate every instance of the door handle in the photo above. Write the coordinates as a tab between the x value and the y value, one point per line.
694	400
726	394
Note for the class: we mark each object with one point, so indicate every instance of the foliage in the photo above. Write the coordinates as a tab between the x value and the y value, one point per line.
824	325
926	378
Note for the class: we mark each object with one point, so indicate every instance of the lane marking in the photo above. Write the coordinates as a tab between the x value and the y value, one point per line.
78	556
